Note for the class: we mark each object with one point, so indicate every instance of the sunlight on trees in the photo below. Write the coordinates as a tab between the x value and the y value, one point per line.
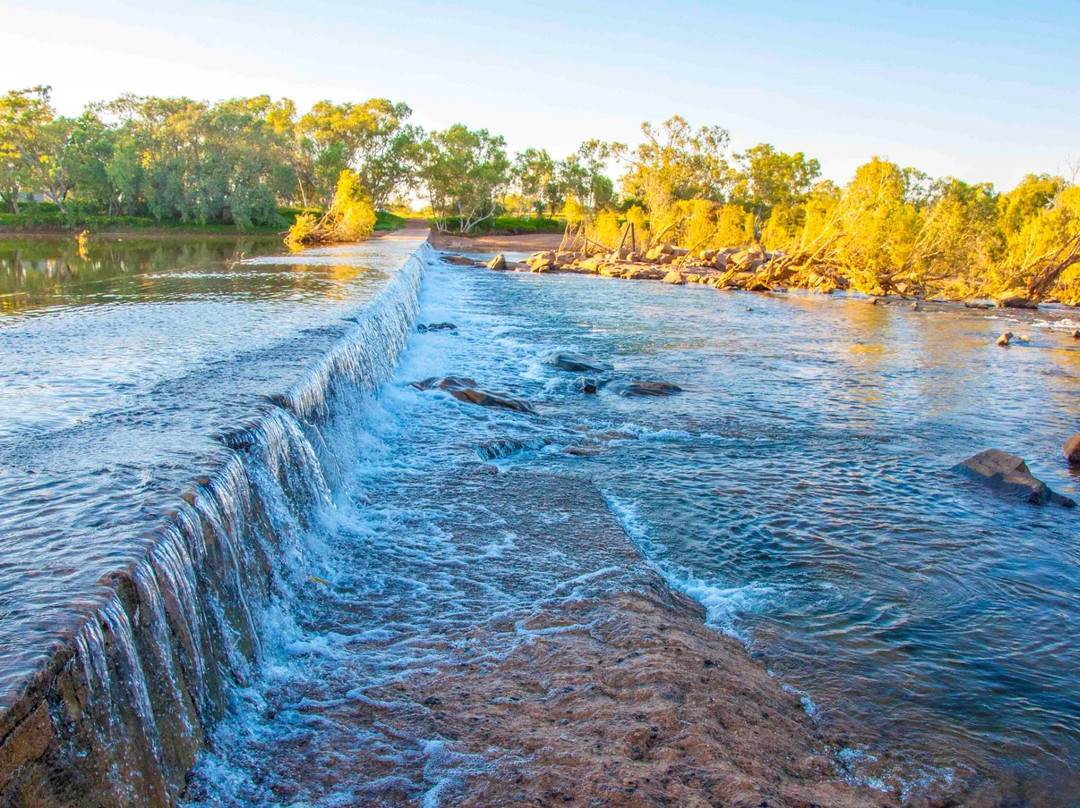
350	217
238	161
463	173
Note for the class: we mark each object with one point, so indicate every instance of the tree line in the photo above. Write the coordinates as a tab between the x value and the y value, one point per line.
889	229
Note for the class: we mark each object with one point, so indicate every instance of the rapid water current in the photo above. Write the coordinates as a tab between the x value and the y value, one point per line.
799	488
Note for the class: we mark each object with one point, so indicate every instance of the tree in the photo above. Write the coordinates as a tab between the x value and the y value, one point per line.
350	217
675	162
584	174
373	139
537	177
463	171
39	142
767	179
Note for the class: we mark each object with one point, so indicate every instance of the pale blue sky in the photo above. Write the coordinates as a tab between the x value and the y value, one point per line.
978	90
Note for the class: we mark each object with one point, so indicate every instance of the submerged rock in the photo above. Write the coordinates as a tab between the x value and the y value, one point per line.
459	260
423	329
496	449
630	388
465	389
1009	474
577	363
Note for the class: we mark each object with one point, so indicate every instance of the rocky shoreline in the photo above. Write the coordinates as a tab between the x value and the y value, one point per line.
732	269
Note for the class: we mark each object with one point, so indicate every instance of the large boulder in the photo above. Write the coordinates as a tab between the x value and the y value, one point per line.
591	264
542	261
497	263
577	363
1009	474
674	277
465	389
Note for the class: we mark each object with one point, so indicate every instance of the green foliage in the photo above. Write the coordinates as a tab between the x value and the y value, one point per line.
767	179
385	220
256	163
675	162
464	173
505	224
373	139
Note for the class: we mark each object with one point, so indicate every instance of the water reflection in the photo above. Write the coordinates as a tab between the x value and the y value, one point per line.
37	273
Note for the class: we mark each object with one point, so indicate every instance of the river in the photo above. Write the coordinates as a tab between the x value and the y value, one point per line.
799	488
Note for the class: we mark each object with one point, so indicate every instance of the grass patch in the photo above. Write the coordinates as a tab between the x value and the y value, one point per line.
385	220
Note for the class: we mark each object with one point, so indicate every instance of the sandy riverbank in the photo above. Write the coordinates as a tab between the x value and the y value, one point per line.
524	242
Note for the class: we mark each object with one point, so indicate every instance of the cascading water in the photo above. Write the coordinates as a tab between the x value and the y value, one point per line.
120	710
392	597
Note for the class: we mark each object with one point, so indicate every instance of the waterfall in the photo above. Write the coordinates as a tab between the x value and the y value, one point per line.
122	712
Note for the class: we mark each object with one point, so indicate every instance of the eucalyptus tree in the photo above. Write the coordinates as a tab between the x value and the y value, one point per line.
36	143
766	178
374	139
675	162
463	173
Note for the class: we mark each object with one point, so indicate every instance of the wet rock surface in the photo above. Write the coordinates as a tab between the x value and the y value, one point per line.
1008	474
460	260
562	673
577	363
506	447
465	389
424	329
631	388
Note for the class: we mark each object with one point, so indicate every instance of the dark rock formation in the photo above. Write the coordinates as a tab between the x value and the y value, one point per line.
423	329
1009	474
465	389
577	363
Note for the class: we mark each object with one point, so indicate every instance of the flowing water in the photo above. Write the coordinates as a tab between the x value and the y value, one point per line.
800	488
